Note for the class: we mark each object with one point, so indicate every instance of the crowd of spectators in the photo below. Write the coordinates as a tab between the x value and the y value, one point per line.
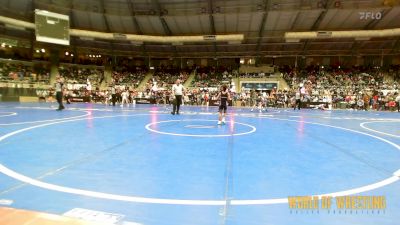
211	76
74	74
165	76
354	88
128	76
14	71
366	88
254	75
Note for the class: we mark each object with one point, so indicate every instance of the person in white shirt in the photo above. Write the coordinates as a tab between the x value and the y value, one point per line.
88	86
154	88
107	97
207	98
177	91
125	96
186	99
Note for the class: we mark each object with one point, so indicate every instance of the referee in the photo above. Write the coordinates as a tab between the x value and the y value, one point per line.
177	91
59	92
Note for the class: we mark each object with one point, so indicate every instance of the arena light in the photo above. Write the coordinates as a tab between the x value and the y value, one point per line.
14	27
86	38
209	37
137	43
119	36
359	34
158	39
43	50
292	40
91	35
362	38
324	34
16	23
234	42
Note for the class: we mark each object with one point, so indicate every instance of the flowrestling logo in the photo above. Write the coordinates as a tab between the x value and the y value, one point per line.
370	15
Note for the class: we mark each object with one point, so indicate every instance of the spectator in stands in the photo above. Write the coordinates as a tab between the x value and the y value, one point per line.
67	95
297	99
398	102
285	99
366	100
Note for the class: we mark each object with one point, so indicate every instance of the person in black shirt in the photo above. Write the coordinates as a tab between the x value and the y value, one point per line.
59	92
113	95
223	97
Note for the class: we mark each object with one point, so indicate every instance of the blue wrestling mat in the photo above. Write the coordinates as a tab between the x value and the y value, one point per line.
142	165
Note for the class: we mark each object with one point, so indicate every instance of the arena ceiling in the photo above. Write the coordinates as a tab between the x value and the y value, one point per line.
262	22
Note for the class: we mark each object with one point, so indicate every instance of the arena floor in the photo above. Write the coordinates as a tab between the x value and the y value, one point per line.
142	165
